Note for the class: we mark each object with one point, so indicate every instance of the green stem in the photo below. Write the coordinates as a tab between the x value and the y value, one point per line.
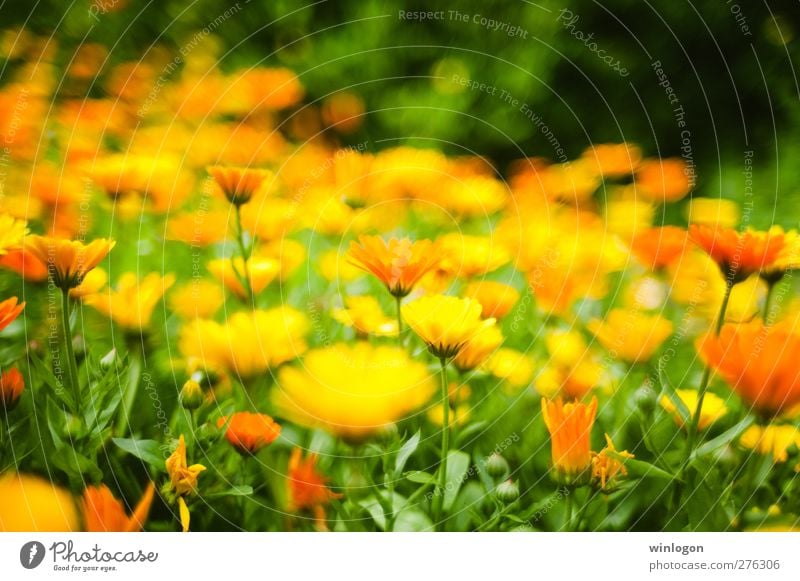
399	300
568	506
245	275
389	512
439	504
582	510
70	363
131	389
768	299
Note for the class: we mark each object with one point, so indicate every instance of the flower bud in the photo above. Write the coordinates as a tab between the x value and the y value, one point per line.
507	491
645	399
110	360
11	386
496	466
191	395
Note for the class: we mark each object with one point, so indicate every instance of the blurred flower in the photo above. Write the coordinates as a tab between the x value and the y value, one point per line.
739	255
471	256
657	248
714	212
399	264
365	315
260	272
631	335
24	264
191	395
182	479
664	180
571	182
570	427
478	349
627	218
11	386
343	111
446	324
289	253
496	299
606	465
130	305
334	267
33	504
198	299
239	184
512	366
758	362
9	310
249	432
614	160
247	343
92	283
308	488
270	218
353	390
12	233
458	416
102	513
714	407
788	259
572	370
773	440
472	196
68	261
200	228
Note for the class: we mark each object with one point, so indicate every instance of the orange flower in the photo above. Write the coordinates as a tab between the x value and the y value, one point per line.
238	183
25	264
496	299
183	477
249	432
739	254
68	261
399	264
614	159
307	487
663	180
9	310
657	248
570	427
759	362
102	513
605	467
11	386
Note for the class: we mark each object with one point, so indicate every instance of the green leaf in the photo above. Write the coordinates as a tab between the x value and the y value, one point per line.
640	468
238	490
725	437
469	431
420	477
146	450
457	466
405	452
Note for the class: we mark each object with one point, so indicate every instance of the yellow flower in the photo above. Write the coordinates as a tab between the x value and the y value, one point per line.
471	256
445	324
247	343
614	159
774	440
260	272
663	180
289	253
572	370
239	184
717	212
270	219
471	196
512	366
198	299
713	407
631	335
478	349
366	316
31	503
12	233
570	427
496	299
334	267
131	304
399	264
182	479
92	284
353	390
628	218
605	467
68	261
200	228
458	416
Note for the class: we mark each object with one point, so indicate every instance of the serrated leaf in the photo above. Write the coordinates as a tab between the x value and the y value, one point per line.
405	452
146	450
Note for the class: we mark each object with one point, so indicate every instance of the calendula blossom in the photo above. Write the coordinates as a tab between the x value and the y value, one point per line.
614	160
103	513
12	233
630	334
658	248
365	315
496	298
12	384
570	427
33	504
249	432
663	180
714	407
9	311
308	488
739	254
472	256
130	305
68	261
259	271
478	349
239	184
182	479
607	466
775	440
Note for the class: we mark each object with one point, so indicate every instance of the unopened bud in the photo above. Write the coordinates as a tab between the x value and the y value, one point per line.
507	491
11	386
496	466
191	395
109	361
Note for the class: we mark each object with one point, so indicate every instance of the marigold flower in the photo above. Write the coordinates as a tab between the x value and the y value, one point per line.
657	248
773	439
478	349
606	467
182	477
471	256
496	299
398	264
788	259
92	283
308	488
353	390
631	335
458	414
103	513
514	367
249	432
12	233
9	310
12	385
570	427
199	229
664	180
714	407
260	272
31	503
68	261
198	299
334	266
131	304
614	160
239	184
759	362
446	324
739	254
714	212
572	370
366	316
24	264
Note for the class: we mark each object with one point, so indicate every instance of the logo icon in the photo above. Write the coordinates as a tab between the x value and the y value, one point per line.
31	554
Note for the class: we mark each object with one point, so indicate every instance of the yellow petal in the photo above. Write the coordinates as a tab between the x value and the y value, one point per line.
185	516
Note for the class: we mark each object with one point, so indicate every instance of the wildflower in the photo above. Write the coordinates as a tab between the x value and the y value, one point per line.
773	440
198	299
606	465
199	229
657	248
570	427
663	180
12	233
182	479
512	366
239	184
68	261
713	407
739	255
614	160
353	390
366	316
130	305
788	259
758	362
24	264
471	256
191	395
398	264
478	349
572	371
714	212
258	271
631	335
102	513
308	488
31	503
9	310
628	217
507	491
249	432
334	267
92	284
496	299
11	386
445	324
458	414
